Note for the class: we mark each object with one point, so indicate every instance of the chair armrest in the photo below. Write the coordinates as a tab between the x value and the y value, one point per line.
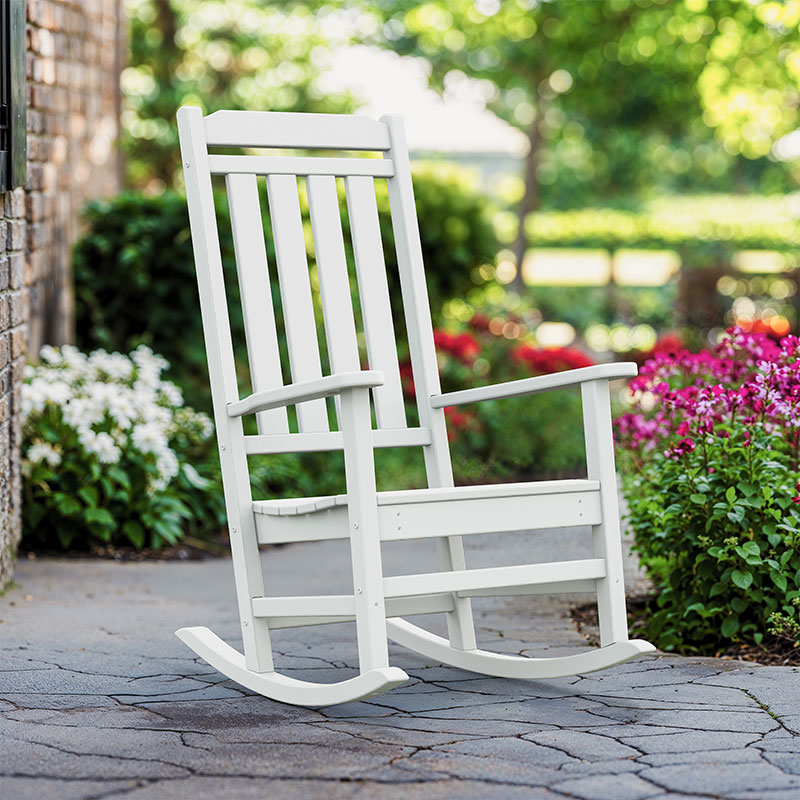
541	383
307	390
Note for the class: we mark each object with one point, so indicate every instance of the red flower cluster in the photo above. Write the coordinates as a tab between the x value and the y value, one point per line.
462	346
542	361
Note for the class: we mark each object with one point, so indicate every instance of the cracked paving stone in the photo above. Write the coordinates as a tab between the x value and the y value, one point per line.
511	750
259	789
708	757
106	695
788	762
482	768
57	789
725	782
619	787
690	741
706	720
583	746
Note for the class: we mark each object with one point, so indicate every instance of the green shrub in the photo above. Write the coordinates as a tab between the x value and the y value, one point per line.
108	451
710	460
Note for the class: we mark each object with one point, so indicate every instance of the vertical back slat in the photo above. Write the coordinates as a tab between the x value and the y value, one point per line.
298	311
373	290
254	287
334	285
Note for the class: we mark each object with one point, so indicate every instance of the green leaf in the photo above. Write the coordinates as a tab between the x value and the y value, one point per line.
100	516
778	579
774	539
700	499
742	579
135	533
730	626
730	494
195	478
89	495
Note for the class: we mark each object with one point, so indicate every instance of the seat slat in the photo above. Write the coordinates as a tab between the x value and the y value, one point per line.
287	165
494	578
323	518
373	290
484	491
298	310
288	129
256	294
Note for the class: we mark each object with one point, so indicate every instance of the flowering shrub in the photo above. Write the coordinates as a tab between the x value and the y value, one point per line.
106	445
712	486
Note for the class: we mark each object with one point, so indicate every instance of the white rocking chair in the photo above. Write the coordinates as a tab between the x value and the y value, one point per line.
365	516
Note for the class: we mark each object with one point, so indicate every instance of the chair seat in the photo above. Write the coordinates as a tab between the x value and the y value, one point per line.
288	507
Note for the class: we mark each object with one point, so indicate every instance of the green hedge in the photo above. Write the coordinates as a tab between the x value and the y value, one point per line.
704	230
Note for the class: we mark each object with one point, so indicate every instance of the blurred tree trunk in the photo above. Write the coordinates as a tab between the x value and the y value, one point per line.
531	198
164	67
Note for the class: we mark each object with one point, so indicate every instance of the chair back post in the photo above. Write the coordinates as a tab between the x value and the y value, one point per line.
419	325
222	376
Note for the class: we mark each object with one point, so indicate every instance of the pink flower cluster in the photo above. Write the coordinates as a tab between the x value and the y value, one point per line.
684	399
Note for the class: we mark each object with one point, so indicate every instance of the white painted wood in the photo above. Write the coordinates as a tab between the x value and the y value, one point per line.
321	520
284	165
362	517
332	440
535	385
254	288
278	687
504	666
304	392
315	605
395	607
464	581
295	131
324	518
334	284
460	627
373	290
606	536
219	349
298	310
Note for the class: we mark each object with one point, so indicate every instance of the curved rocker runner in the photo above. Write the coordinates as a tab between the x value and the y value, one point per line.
364	516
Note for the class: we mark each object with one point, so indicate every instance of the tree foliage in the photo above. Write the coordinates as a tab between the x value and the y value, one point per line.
218	54
621	96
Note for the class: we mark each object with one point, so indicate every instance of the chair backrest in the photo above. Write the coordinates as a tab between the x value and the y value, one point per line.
319	132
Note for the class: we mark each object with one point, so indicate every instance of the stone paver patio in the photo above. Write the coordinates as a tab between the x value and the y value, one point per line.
98	699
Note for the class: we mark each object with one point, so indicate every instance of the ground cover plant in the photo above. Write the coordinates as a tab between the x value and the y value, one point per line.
710	464
110	453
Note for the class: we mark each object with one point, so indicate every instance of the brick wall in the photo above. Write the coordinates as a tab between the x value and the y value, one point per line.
73	62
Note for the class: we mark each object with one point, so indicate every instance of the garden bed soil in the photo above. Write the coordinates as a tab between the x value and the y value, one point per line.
773	652
188	549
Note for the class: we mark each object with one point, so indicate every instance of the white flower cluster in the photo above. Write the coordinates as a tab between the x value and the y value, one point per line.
113	402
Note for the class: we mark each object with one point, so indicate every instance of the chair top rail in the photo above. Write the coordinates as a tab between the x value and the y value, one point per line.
287	165
296	131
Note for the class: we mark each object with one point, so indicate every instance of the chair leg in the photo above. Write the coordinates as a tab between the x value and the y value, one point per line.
365	540
460	626
606	537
